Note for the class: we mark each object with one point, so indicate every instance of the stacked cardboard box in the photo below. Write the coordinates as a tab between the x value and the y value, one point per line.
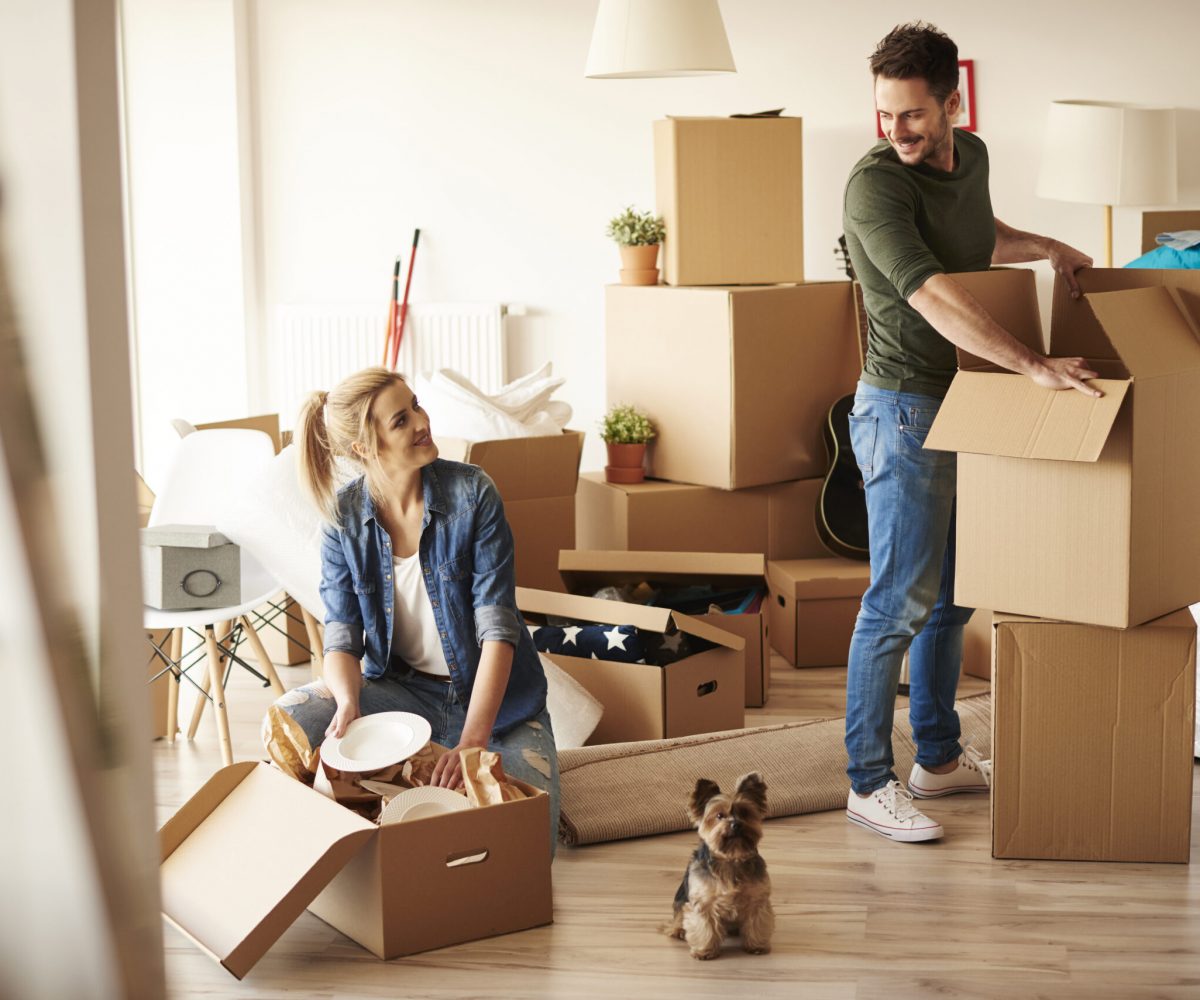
1076	519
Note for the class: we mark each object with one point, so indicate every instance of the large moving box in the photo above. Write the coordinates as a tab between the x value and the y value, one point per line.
253	847
1078	508
536	479
730	191
585	572
1092	740
813	606
701	693
779	521
738	381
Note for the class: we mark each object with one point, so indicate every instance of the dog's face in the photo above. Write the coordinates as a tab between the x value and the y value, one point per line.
731	825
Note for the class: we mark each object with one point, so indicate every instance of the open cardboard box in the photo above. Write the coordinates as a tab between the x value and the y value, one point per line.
1077	508
536	479
813	605
701	693
245	855
778	521
585	572
1092	733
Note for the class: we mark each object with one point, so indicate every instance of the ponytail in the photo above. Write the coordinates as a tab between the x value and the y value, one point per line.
316	456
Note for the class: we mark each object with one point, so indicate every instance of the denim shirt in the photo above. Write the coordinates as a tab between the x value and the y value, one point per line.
466	552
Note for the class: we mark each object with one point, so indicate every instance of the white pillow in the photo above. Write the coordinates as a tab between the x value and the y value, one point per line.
574	713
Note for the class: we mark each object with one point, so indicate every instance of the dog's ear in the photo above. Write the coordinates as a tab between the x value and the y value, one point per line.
751	786
701	795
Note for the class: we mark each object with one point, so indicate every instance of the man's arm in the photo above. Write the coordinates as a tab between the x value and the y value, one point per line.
957	315
1016	247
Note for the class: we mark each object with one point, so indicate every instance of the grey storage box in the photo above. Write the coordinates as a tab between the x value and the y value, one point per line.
189	567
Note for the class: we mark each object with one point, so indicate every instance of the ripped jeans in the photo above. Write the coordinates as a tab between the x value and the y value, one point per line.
527	751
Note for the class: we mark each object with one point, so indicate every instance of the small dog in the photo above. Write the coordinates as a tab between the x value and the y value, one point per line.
725	889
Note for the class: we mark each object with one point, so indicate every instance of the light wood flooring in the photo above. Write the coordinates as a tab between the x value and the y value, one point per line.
858	916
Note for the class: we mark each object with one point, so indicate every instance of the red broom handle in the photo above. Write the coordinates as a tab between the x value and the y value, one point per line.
404	304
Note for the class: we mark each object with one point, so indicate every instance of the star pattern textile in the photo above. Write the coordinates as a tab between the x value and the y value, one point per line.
622	643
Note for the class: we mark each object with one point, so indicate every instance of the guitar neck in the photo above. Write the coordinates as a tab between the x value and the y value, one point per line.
860	313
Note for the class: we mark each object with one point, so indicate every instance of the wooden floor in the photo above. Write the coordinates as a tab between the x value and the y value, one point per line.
858	916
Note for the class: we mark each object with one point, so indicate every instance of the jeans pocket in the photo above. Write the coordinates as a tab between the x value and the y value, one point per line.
863	433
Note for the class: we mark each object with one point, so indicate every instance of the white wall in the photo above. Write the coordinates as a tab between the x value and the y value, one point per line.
472	120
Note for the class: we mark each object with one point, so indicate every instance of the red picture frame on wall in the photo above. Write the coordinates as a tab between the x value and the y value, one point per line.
966	118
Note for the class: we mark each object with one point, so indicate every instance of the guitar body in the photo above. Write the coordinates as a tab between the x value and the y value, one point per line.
842	508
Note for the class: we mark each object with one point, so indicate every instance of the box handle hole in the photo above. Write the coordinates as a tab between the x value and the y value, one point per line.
707	688
460	858
779	598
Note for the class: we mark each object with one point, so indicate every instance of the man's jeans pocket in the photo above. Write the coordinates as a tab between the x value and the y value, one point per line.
863	433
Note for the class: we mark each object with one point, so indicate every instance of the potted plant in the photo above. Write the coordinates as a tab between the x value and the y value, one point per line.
625	431
638	235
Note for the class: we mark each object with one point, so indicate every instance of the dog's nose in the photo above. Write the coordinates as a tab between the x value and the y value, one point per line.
733	824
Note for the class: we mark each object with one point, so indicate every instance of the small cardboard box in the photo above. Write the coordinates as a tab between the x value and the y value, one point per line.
1092	740
585	572
702	693
1076	508
251	849
730	191
977	645
813	606
738	381
536	478
188	566
777	521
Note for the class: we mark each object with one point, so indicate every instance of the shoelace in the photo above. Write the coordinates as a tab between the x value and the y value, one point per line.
974	759
902	801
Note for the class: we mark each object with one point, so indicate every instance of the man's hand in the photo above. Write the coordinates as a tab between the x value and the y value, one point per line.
1066	261
1064	373
346	713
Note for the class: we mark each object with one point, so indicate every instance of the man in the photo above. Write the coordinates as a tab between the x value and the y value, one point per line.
917	209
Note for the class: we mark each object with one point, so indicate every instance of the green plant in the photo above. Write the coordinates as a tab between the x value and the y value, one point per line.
626	425
632	229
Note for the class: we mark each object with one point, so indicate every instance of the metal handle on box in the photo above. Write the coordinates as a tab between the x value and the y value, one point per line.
205	572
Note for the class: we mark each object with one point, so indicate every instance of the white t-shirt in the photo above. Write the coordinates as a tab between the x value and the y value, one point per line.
415	633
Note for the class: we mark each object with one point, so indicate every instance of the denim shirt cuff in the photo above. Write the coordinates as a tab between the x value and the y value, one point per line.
342	637
496	622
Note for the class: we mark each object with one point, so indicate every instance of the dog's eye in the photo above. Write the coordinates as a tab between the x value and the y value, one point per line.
720	815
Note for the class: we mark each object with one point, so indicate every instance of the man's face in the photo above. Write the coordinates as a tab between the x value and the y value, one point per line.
915	122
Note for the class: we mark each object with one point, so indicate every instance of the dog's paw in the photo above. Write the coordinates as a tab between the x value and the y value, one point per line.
705	956
758	949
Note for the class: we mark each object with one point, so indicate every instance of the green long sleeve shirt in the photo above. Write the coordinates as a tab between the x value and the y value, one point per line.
904	224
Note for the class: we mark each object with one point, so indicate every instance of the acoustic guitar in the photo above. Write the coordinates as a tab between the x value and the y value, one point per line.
842	506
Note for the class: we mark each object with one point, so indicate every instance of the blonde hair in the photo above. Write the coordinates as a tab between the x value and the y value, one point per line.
330	424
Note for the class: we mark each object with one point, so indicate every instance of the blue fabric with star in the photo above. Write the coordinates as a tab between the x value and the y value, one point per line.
621	643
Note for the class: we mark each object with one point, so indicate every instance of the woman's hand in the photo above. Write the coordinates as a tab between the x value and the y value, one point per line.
347	712
447	772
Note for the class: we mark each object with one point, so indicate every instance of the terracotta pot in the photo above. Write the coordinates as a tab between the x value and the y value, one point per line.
626	463
639	265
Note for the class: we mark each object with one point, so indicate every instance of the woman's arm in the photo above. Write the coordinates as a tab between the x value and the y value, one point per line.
491	681
343	632
342	674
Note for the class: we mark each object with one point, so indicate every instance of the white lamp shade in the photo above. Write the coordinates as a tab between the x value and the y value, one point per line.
640	38
1109	154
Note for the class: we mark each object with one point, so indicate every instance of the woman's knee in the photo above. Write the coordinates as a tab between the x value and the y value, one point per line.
312	706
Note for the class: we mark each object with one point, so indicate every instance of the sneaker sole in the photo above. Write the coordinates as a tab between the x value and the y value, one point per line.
901	836
920	793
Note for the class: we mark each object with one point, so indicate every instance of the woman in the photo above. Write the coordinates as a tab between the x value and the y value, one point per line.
417	580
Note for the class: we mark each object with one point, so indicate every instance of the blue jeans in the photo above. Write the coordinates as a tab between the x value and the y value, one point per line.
909	604
527	750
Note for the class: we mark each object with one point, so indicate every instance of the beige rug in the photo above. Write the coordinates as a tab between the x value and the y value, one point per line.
621	790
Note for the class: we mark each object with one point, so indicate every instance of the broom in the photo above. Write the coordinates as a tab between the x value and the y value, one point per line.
404	304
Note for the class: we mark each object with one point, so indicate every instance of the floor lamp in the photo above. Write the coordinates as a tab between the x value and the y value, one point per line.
1103	153
649	38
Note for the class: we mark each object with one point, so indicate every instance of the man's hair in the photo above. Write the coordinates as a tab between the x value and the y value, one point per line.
918	50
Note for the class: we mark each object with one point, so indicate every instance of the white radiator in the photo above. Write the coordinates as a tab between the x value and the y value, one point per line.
314	347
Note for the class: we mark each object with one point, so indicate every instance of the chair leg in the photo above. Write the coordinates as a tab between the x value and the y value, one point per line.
315	644
225	630
264	661
173	683
217	683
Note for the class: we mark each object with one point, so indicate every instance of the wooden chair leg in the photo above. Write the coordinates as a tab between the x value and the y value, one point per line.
215	670
173	683
315	643
260	654
224	630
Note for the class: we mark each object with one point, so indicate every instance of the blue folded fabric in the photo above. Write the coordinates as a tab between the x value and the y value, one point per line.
1169	259
1184	239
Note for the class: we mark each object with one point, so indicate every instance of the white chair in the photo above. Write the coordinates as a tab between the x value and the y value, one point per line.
208	471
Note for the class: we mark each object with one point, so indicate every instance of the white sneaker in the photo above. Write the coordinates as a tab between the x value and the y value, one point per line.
890	812
971	775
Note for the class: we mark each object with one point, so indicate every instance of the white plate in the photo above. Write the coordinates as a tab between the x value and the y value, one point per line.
376	741
418	803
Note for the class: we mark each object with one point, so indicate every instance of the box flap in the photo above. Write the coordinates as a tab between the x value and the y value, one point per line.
526	468
1182	618
1010	297
815	579
545	602
246	854
586	567
993	413
1151	328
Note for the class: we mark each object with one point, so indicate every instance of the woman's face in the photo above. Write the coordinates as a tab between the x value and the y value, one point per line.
402	429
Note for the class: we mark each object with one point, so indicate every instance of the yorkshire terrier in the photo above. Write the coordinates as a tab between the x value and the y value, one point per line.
725	888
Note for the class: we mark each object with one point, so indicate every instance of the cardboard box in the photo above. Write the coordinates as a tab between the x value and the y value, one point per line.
268	423
777	521
738	381
813	606
536	478
1092	740
287	645
1076	508
731	193
248	852
585	572
702	693
977	645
